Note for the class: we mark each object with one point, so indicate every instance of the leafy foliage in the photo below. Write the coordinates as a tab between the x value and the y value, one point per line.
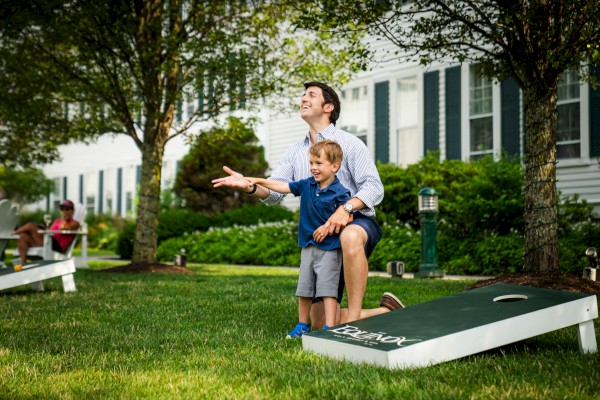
247	215
236	144
480	223
274	243
24	186
83	68
175	223
482	196
530	42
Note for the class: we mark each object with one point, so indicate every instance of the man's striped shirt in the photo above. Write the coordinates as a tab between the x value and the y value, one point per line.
357	172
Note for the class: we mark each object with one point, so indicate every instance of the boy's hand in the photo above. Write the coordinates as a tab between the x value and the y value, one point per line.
320	233
253	181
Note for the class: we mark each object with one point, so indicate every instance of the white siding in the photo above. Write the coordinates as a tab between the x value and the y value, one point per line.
581	179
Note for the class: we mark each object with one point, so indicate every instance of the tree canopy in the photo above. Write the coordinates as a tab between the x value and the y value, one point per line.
24	186
234	144
75	70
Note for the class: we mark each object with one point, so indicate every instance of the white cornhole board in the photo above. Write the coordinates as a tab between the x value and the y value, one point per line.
35	273
457	326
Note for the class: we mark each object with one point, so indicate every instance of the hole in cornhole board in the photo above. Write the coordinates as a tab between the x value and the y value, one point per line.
510	298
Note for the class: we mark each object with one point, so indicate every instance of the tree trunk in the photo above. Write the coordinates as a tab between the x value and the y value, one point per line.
146	231
541	225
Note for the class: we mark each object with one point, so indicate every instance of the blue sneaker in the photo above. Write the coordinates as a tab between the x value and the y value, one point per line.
325	327
298	331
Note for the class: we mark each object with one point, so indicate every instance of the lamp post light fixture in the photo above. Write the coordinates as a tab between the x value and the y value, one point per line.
428	210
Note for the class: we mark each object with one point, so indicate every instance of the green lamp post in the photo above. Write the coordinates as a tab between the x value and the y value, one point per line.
428	210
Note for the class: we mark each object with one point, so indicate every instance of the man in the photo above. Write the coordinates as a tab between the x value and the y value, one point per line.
354	221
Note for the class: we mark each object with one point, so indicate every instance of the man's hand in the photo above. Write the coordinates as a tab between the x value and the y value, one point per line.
338	221
234	180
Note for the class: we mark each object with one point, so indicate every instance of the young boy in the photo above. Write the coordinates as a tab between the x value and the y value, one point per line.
321	257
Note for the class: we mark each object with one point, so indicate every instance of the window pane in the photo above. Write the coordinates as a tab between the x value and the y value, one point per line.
355	112
571	150
568	122
480	92
568	86
482	138
407	102
568	131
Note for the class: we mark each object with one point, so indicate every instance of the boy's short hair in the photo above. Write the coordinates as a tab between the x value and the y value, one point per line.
333	151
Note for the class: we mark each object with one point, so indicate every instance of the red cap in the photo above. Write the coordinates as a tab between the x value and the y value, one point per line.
67	203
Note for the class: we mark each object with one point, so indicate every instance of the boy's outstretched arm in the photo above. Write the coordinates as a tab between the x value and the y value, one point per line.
281	187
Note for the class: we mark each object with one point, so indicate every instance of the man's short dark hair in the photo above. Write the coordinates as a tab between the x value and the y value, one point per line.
330	97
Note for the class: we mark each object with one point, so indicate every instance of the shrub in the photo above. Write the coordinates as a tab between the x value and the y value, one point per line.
125	240
398	243
262	244
104	230
247	215
175	222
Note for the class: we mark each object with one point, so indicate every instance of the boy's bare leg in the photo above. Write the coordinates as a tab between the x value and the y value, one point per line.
304	306
331	306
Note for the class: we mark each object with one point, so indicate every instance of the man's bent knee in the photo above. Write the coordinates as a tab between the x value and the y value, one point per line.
353	239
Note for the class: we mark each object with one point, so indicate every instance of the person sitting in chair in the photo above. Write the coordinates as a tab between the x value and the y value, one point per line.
29	235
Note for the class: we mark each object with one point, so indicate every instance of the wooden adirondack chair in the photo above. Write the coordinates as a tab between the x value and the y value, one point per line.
9	218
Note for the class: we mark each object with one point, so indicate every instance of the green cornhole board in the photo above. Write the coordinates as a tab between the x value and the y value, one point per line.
457	326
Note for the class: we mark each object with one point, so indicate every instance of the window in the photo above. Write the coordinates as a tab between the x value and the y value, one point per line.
481	120
91	184
407	116
568	139
354	117
109	185
129	203
56	191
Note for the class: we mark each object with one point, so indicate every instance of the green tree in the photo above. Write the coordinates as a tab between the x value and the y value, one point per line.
83	68
234	144
24	186
532	42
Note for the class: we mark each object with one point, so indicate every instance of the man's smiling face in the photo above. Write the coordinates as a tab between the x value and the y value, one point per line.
312	104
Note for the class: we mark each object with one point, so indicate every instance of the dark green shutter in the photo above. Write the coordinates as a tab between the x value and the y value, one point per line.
509	117
81	188
453	120
138	174
431	111
595	116
64	187
100	191
382	122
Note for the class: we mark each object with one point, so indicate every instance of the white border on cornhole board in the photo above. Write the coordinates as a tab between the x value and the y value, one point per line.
579	312
35	275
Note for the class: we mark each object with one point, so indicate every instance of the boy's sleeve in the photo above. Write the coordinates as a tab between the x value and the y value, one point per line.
297	187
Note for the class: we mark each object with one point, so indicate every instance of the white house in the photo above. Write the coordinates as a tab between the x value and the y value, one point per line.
401	111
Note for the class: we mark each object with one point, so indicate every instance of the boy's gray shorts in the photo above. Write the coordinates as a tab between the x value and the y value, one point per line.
319	272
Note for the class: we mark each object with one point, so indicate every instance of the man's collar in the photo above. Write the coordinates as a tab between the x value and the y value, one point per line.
325	133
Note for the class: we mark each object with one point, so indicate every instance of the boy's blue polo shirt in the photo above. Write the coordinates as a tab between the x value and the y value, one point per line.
316	206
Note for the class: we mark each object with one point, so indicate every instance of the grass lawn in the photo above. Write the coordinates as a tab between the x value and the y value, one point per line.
220	334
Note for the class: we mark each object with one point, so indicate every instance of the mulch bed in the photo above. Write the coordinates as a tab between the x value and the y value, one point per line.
548	280
154	267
